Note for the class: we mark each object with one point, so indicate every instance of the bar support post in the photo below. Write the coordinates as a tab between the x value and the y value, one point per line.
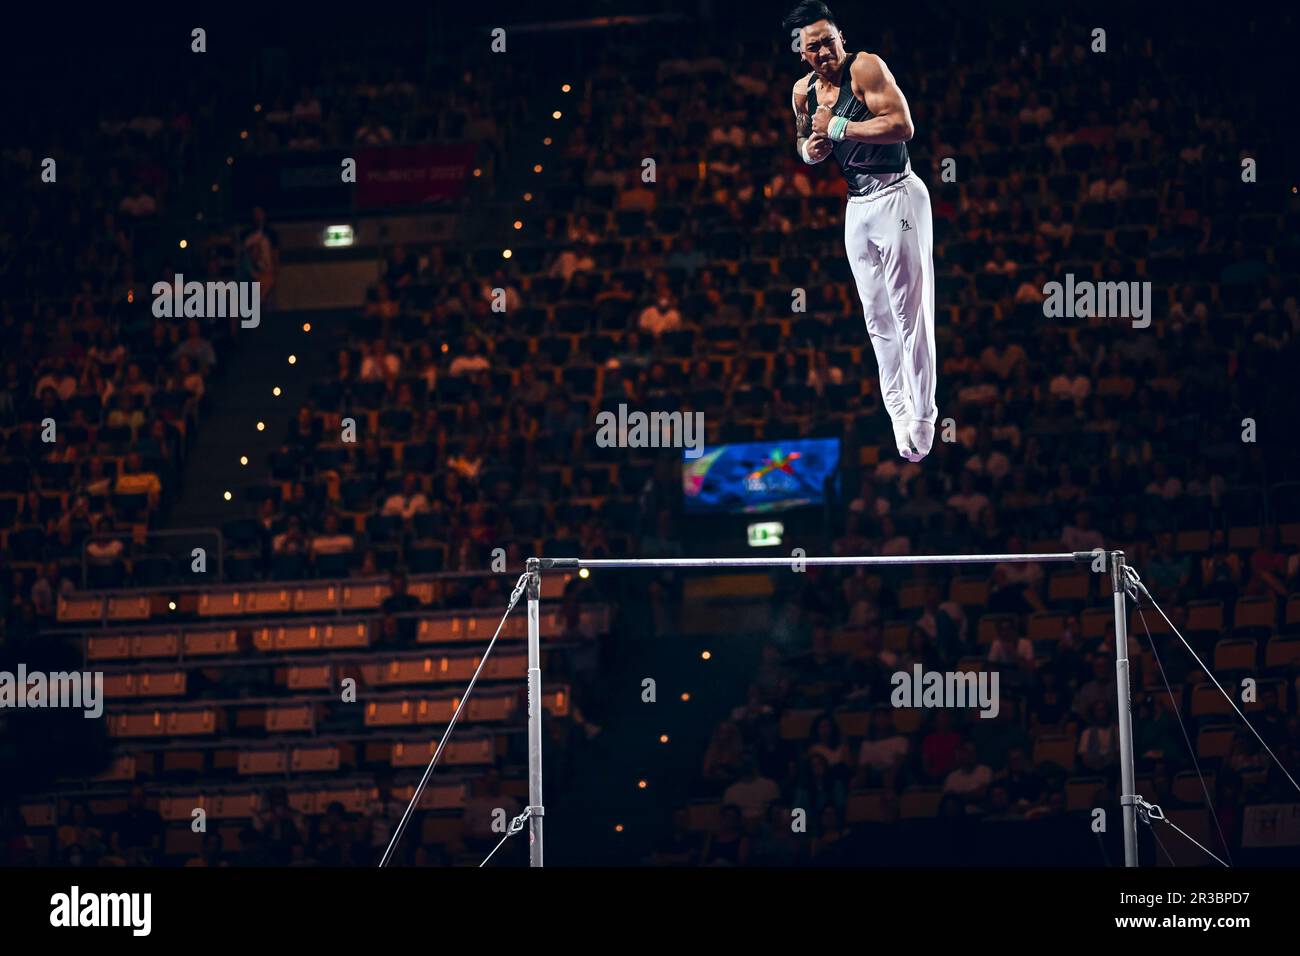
1124	714
536	810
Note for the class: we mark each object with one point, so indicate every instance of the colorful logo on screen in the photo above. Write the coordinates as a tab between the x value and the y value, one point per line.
776	461
752	477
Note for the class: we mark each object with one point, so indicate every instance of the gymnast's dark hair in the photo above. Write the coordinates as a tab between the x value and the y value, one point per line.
808	11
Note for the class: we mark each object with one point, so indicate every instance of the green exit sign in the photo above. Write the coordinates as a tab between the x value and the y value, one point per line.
765	534
338	236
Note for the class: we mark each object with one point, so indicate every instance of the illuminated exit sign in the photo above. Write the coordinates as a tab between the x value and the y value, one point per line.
338	236
765	534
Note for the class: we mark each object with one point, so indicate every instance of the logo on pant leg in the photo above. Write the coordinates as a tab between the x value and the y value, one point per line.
906	226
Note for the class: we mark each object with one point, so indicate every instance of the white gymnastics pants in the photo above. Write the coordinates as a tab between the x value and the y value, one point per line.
889	239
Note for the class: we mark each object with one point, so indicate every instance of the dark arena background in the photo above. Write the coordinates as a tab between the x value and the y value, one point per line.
317	324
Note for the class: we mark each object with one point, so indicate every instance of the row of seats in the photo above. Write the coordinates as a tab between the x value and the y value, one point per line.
796	723
444	792
1083	793
324	635
301	598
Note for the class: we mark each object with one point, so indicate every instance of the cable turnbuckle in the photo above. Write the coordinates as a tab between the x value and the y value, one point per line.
518	822
1148	811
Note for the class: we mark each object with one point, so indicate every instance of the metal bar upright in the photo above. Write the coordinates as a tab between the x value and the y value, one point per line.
1124	715
536	811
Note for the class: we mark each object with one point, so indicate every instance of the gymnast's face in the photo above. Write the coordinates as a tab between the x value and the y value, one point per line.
822	47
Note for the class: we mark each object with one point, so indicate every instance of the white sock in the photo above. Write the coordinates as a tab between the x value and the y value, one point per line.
922	437
903	439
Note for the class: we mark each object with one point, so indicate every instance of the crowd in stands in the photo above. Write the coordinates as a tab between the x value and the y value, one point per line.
99	400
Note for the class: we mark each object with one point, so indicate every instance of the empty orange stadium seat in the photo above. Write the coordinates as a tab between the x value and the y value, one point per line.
1154	622
234	805
182	841
1097	622
109	648
1068	587
267	601
1204	617
128	607
209	643
137	725
449	793
263	761
314	598
187	722
797	724
315	759
1046	626
1243	538
435	710
389	713
865	806
174	808
907	720
184	761
441	830
1280	654
291	719
1235	655
505	666
1058	749
1081	792
969	591
347	635
250	718
1213	742
220	602
846	641
703	815
1291	619
155	645
493	707
1192	542
911	595
364	597
79	608
919	802
853	723
38	814
310	677
1206	700
1254	614
1187	786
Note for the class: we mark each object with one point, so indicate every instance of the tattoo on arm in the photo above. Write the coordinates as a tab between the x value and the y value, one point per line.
802	124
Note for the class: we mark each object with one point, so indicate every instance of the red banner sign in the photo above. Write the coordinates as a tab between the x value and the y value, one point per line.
411	175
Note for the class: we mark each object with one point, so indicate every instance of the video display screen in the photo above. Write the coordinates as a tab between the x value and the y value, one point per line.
756	477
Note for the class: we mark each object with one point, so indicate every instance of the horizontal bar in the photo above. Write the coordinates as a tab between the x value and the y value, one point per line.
558	564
